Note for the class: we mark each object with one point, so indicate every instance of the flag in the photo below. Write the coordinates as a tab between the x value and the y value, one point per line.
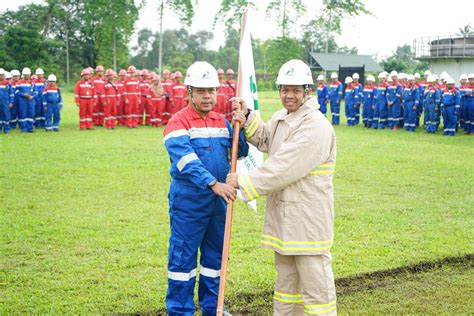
248	92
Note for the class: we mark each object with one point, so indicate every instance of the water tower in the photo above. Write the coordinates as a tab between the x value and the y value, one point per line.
452	53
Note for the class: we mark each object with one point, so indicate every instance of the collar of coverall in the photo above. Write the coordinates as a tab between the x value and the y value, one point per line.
195	115
310	105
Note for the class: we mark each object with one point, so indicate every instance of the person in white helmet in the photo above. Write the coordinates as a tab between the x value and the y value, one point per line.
351	98
394	94
463	87
14	122
40	84
469	105
358	88
198	141
450	107
380	99
431	99
52	104
323	96
26	94
410	102
335	96
6	102
297	179
368	101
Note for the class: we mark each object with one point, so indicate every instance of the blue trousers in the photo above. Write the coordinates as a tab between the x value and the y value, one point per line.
449	120
419	111
367	114
394	115
322	106
335	111
39	113
357	113
26	110
380	115
4	116
53	116
410	114
431	117
14	114
350	113
197	219
469	120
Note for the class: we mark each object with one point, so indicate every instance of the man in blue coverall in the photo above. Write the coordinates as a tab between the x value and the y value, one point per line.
198	142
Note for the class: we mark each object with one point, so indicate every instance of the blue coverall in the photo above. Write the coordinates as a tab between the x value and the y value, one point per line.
394	93
431	99
322	97
52	104
6	99
335	96
410	100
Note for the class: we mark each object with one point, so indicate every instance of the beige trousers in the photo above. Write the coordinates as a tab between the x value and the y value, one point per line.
304	285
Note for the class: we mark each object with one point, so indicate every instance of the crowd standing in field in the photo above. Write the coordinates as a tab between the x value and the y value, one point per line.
398	100
141	97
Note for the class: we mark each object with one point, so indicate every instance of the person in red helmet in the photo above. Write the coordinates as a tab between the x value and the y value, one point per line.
155	101
85	98
179	93
144	83
99	82
132	98
120	83
222	99
167	84
110	97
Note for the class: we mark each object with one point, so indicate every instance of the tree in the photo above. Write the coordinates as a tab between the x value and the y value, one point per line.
466	31
402	61
230	13
287	12
280	50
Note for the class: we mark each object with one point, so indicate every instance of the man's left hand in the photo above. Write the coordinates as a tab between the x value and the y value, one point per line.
233	180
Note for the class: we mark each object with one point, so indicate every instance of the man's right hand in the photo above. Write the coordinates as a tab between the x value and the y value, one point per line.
239	104
225	191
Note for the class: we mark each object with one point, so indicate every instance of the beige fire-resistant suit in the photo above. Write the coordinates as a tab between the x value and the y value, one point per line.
298	179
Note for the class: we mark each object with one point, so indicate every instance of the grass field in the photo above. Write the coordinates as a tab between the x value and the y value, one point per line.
84	221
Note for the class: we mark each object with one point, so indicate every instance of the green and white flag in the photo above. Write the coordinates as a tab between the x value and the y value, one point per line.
248	92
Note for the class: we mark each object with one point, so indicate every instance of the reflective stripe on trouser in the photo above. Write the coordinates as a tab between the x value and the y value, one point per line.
5	115
53	116
197	220
304	285
85	113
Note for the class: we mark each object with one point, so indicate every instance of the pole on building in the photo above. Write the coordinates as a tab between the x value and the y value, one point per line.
160	50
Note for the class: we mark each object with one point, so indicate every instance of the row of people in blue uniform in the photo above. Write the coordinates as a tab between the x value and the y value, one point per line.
399	100
29	102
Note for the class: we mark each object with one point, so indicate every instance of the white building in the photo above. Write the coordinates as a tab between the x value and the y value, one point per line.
452	53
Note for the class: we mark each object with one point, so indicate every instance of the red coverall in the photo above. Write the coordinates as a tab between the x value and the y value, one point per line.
84	94
132	98
111	97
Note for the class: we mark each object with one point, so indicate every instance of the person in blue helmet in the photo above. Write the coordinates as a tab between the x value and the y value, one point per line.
198	141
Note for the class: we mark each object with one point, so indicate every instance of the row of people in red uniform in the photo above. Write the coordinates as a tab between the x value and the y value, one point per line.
138	97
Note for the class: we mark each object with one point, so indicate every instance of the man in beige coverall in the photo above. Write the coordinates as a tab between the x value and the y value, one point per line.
298	179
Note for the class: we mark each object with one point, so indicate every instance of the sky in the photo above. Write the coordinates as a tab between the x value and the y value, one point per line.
392	23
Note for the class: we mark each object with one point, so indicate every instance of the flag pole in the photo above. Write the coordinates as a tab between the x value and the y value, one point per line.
230	205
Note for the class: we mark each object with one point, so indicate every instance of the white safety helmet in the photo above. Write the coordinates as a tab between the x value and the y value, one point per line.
8	75
417	75
2	71
389	79
450	81
463	77
436	76
382	75
431	78
393	73
334	75
15	73
410	77
294	72
39	71
402	76
201	75
370	78
26	71
470	76
355	75
52	77
444	75
427	73
348	80
320	77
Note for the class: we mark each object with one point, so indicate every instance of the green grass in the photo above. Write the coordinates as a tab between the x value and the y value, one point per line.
84	219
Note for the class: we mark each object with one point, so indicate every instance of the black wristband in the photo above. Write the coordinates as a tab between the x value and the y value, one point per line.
248	113
213	183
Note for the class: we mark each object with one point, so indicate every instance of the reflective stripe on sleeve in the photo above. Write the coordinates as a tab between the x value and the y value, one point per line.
177	133
244	181
327	168
320	308
288	298
185	160
296	245
253	127
182	276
